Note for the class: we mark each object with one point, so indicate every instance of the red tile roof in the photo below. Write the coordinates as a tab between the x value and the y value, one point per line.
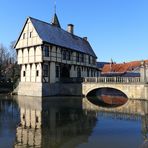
121	68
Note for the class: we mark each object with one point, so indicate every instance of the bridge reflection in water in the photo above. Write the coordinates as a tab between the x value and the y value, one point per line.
73	122
107	97
133	110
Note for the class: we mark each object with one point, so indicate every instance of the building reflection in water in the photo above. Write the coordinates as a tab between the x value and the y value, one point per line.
67	122
52	122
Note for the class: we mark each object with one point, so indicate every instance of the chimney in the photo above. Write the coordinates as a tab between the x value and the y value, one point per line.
85	38
70	28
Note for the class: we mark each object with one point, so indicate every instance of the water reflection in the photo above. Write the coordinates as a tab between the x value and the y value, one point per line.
107	97
52	123
9	118
133	110
72	122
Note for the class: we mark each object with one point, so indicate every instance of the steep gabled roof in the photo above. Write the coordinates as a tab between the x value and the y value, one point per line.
57	36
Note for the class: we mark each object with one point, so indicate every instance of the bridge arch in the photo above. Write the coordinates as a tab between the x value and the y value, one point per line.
95	87
107	91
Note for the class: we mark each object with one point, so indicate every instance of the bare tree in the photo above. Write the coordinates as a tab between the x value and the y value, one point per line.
3	58
12	52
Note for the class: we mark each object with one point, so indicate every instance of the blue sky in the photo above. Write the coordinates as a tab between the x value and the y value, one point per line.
116	29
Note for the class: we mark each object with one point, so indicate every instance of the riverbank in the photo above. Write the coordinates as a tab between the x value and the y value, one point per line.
5	90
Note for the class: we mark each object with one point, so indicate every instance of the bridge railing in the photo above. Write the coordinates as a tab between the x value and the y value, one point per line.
112	80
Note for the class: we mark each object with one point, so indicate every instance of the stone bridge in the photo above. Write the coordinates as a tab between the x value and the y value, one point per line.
133	88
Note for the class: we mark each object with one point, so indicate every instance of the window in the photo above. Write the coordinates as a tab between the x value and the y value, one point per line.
89	60
87	72
45	70
94	61
82	57
24	35
64	54
24	73
30	34
46	51
37	73
57	71
68	55
77	57
78	72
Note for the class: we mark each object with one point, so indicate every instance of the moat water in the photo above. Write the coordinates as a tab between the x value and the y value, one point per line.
71	122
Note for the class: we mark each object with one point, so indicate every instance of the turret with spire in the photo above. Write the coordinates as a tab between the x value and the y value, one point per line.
55	21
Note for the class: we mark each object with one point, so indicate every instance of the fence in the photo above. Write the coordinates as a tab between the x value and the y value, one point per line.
111	80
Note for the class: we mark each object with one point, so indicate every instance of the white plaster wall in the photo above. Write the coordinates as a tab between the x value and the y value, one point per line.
33	73
28	41
28	73
38	54
20	56
31	55
25	56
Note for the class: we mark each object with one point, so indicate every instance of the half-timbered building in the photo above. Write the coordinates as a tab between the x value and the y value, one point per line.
48	54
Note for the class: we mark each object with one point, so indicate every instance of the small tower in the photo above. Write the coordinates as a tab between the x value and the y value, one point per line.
55	21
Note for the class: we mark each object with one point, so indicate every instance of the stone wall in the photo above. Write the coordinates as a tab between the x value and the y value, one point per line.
46	89
30	89
58	89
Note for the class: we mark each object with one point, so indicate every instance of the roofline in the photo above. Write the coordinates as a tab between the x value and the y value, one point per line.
56	27
20	33
64	31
